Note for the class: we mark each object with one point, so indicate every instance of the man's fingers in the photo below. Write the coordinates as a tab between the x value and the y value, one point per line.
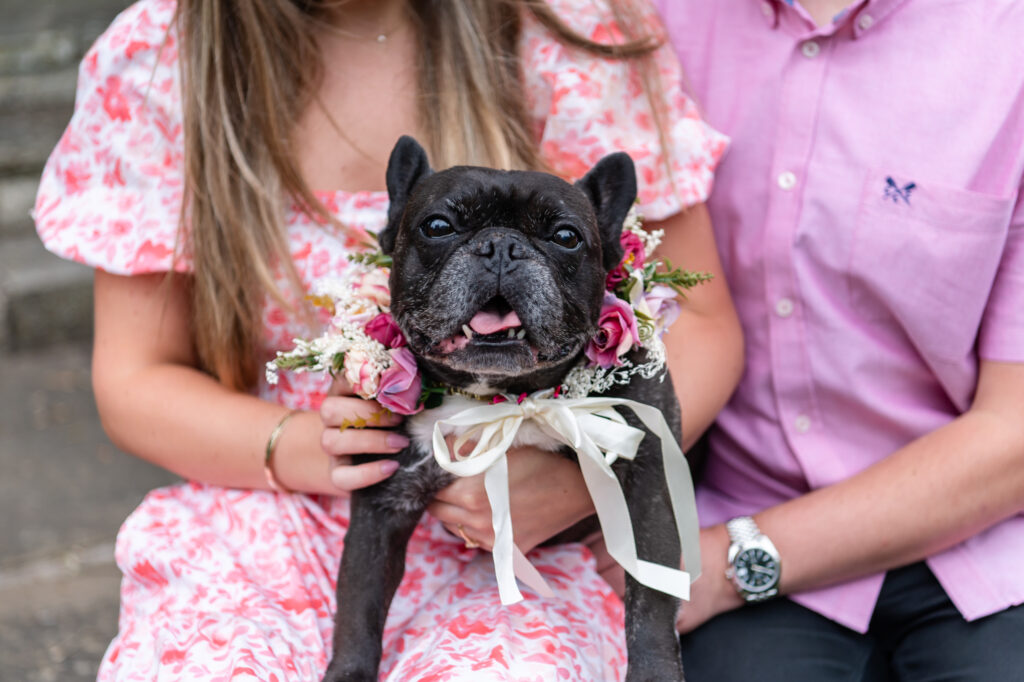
355	413
353	477
361	441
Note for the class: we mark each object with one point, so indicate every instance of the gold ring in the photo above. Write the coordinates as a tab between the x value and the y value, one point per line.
470	544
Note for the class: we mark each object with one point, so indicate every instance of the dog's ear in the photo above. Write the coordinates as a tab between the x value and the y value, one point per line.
407	166
611	188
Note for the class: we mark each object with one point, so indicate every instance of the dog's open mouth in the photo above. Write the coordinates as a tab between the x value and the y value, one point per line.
495	325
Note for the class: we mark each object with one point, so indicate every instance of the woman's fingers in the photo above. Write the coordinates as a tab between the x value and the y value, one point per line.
348	476
606	565
463	506
336	442
463	524
349	429
339	411
467	493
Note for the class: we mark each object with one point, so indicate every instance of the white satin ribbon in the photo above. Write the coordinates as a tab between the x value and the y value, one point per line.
599	435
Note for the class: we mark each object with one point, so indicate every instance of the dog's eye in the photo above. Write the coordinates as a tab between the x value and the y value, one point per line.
437	227
567	238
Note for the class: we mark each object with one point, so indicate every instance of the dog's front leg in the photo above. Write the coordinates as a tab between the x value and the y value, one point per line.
372	566
652	643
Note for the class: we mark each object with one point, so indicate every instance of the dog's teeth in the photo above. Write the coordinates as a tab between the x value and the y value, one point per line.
511	333
467	331
522	333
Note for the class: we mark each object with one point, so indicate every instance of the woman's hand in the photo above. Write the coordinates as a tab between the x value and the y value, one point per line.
353	427
546	492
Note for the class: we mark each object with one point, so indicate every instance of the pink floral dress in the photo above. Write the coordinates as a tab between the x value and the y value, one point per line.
226	584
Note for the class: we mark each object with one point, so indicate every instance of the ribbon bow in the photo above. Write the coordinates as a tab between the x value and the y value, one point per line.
599	435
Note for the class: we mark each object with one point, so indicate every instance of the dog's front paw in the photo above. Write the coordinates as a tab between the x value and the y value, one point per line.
337	671
660	671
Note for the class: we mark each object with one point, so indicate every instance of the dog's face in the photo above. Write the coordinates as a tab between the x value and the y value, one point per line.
499	276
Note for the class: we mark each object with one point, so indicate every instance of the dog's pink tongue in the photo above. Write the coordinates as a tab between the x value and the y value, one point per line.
489	322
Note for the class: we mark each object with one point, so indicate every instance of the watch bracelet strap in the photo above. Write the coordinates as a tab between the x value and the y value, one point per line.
755	597
742	529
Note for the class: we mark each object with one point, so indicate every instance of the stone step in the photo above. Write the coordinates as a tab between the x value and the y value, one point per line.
56	629
27	138
41	44
17	196
65	487
46	34
24	92
43	299
64	493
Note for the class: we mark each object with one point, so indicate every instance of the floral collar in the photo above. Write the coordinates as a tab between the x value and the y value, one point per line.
363	342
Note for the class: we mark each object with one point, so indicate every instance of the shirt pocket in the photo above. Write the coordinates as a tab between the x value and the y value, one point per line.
924	256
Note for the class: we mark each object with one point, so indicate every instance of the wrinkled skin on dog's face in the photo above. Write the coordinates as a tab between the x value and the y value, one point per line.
498	276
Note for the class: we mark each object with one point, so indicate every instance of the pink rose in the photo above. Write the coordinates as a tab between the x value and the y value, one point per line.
383	328
362	373
374	286
617	332
401	385
632	255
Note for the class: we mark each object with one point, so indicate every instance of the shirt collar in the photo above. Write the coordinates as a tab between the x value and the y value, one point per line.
864	16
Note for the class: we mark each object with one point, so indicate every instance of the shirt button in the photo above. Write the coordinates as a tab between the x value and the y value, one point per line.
784	307
810	49
802	423
766	9
787	180
865	21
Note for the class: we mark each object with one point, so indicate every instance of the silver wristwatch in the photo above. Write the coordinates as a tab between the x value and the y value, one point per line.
754	563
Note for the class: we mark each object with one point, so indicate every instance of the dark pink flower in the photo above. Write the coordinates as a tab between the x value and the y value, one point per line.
383	328
632	255
400	384
617	332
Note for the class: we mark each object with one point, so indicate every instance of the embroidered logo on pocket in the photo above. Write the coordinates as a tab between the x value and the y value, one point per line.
896	193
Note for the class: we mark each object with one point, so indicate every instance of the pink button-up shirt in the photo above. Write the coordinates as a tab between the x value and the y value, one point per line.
868	218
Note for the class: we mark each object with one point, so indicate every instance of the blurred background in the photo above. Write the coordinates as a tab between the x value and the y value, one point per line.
64	489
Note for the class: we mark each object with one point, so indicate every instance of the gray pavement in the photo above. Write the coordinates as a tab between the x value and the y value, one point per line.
64	491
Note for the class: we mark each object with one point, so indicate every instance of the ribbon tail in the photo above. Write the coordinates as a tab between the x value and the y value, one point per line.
496	485
617	526
680	486
664	579
529	574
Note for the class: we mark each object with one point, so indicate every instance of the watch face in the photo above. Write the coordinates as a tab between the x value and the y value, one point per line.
756	570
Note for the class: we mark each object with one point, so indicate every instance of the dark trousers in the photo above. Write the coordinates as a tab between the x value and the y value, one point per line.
916	635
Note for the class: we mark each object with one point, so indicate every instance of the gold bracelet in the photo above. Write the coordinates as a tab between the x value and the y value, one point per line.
268	458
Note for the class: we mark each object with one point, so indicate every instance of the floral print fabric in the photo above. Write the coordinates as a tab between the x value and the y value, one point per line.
225	584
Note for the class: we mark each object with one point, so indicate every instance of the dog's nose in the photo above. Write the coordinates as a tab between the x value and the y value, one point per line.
500	252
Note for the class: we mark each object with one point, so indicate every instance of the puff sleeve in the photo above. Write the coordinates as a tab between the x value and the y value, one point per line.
110	194
585	107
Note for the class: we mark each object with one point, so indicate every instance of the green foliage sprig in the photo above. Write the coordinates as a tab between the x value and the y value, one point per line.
678	279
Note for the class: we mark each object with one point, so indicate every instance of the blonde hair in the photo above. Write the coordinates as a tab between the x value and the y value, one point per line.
249	69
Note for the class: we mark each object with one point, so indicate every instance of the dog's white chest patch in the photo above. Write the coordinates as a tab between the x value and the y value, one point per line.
421	426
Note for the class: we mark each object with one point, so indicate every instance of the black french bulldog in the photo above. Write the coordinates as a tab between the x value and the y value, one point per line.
497	283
